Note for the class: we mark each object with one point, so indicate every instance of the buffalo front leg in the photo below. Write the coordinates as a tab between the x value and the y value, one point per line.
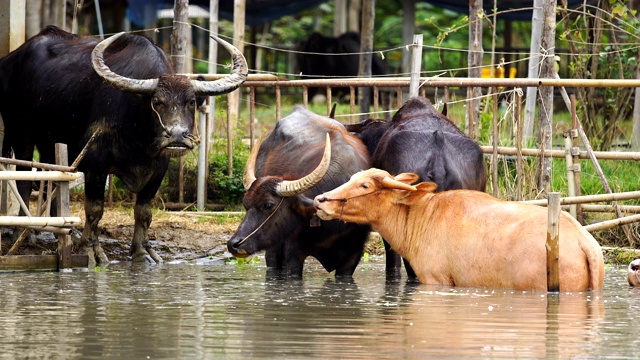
89	242
140	250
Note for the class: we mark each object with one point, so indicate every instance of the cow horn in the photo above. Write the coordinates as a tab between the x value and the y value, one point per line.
249	175
136	86
237	76
291	188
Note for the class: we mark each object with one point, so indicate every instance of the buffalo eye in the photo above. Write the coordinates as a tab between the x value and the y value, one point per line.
156	101
269	206
365	186
192	103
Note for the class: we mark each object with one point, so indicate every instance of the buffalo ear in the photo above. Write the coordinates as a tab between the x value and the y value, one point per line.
407	178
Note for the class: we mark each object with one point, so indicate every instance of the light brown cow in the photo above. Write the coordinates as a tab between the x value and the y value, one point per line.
465	237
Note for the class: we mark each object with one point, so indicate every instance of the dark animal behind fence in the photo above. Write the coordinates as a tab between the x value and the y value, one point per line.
59	87
320	66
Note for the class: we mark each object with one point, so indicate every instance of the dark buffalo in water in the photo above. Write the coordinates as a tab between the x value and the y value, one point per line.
420	140
320	66
62	88
292	165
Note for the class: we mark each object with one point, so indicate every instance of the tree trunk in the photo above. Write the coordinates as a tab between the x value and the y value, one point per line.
475	66
545	101
366	47
534	69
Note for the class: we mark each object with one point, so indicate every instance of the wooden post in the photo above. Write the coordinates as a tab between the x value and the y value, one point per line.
366	47
339	17
571	184
553	273
474	66
62	204
545	100
416	65
519	161
408	31
179	46
494	140
575	151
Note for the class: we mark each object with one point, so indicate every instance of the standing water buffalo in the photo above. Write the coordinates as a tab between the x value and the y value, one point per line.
282	176
465	237
61	88
420	140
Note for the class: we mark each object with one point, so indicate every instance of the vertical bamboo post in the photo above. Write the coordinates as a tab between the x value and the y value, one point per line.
62	204
519	161
494	157
571	184
230	114
553	273
416	64
575	151
202	154
252	116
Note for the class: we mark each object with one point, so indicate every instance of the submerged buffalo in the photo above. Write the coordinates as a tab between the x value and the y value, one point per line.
62	88
295	162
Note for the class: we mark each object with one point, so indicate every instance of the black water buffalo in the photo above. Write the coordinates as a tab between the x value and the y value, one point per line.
282	176
58	87
420	140
314	66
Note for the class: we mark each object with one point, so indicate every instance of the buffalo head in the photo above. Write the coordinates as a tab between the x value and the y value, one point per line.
272	205
171	97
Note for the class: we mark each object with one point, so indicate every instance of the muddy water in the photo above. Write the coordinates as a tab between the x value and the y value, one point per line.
210	311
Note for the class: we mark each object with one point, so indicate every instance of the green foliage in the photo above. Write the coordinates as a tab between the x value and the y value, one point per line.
243	261
227	189
603	46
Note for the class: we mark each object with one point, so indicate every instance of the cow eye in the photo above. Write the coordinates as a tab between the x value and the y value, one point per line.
156	101
192	103
365	186
268	206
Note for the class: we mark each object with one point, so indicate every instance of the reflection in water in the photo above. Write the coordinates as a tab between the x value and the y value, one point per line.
195	311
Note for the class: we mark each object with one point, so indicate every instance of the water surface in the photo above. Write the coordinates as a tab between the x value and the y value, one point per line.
190	310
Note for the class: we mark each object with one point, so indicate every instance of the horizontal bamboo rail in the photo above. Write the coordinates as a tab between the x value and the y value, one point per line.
608	224
590	198
603	155
37	165
25	221
273	81
39	175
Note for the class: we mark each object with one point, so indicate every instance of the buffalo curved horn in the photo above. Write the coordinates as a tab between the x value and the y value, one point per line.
249	175
291	188
236	77
136	86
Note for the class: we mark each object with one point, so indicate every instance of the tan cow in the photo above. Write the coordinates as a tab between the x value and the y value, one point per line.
465	237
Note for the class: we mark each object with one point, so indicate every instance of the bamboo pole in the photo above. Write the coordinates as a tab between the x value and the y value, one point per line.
604	225
571	185
575	151
37	165
494	153
590	198
553	237
602	155
38	175
25	221
519	135
62	207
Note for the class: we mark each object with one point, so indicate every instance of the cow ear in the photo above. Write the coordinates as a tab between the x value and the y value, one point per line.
427	186
415	196
393	184
407	178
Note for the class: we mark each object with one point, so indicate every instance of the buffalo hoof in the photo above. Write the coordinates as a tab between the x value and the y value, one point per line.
633	273
96	256
147	256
